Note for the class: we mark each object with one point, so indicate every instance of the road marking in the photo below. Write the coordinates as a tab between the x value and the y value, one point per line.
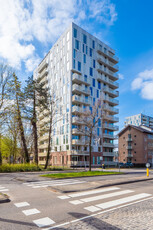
92	209
75	202
122	201
90	199
42	186
31	211
63	197
21	204
43	222
96	214
4	190
89	192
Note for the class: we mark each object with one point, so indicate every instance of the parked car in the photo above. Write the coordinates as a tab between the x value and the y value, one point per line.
121	165
129	165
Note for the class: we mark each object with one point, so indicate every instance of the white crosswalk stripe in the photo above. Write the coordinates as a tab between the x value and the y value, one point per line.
103	194
44	184
3	189
43	222
95	198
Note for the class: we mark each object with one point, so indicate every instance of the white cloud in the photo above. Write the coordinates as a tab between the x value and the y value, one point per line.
121	76
23	22
144	82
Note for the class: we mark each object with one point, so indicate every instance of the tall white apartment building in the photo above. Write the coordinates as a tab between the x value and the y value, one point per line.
79	66
139	119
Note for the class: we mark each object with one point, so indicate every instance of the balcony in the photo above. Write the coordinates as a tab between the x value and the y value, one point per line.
77	109
76	131
42	65
107	53
108	154
113	93
111	118
106	80
76	120
111	101
81	100
79	163
128	147
79	79
104	70
80	89
129	139
110	136
111	145
108	63
78	142
129	155
111	109
112	127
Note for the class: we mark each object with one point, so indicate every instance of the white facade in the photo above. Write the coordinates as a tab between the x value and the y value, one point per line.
78	67
139	119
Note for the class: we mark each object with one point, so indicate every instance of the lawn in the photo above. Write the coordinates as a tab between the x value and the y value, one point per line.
79	174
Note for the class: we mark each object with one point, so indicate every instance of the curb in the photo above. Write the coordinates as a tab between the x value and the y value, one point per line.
4	198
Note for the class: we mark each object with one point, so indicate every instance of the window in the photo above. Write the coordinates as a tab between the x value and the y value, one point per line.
94	64
97	93
99	85
91	92
75	33
84	39
90	52
93	82
79	66
93	44
77	44
93	160
74	63
64	139
83	50
86	49
85	78
91	71
84	58
94	101
74	53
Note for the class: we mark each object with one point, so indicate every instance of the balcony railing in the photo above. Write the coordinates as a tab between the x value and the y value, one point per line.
76	78
76	120
129	139
111	100
80	89
111	118
76	131
80	99
104	70
105	144
42	65
108	154
111	109
107	53
128	147
129	155
78	142
112	127
110	136
107	80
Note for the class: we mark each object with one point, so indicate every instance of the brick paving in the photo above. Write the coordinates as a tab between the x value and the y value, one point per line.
138	217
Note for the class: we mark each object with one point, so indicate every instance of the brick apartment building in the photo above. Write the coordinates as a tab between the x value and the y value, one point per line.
136	145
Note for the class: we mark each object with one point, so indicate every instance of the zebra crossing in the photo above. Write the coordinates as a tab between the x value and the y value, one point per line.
96	196
47	183
3	189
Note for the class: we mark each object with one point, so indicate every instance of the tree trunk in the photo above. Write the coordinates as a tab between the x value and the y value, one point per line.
90	154
35	136
22	132
49	144
0	152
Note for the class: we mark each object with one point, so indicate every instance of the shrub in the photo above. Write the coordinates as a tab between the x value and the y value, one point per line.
19	168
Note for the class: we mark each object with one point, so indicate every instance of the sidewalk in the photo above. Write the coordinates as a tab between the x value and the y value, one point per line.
4	198
98	184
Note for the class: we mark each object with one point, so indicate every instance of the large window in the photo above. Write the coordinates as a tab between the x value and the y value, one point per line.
84	58
91	71
79	66
90	52
84	39
93	82
75	33
77	44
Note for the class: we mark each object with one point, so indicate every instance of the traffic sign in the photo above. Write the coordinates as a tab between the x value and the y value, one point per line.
147	165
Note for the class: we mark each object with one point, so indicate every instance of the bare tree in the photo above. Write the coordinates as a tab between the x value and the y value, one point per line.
90	120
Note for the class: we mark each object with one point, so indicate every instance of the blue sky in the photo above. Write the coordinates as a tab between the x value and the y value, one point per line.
28	28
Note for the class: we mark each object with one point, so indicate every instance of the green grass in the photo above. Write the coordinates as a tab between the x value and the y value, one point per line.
79	174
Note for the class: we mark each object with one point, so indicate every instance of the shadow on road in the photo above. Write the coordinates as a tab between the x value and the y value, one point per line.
92	223
17	222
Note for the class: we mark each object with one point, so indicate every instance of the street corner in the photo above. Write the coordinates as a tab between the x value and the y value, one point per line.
4	198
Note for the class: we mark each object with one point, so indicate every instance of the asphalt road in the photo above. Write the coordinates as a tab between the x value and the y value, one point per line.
34	205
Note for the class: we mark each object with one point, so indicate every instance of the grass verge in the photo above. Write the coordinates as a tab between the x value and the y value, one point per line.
79	174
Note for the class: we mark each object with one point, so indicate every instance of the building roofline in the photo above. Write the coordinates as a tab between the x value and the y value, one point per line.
139	128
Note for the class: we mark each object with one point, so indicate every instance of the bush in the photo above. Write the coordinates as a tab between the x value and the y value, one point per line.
19	168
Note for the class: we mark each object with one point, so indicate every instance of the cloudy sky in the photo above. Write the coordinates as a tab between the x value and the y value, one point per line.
28	28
